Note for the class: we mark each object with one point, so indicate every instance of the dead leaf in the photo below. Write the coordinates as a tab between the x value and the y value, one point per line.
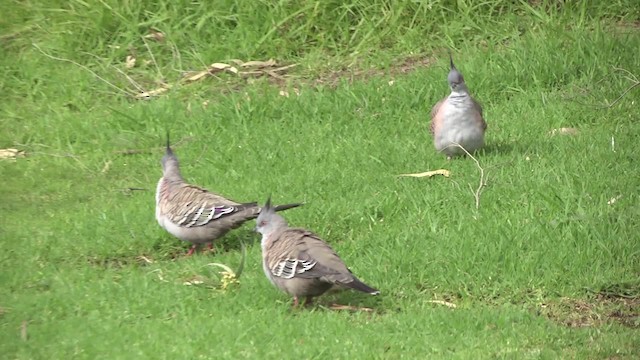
350	308
130	62
284	93
145	95
197	75
564	131
250	73
259	64
221	66
442	302
144	259
159	273
283	68
11	154
106	166
155	35
443	172
614	199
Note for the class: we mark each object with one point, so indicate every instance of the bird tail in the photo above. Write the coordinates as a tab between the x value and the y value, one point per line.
286	207
360	286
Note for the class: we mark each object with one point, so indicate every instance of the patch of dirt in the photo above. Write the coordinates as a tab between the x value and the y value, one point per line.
118	262
332	78
599	310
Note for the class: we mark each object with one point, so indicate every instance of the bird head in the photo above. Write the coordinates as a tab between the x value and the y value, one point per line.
455	78
269	221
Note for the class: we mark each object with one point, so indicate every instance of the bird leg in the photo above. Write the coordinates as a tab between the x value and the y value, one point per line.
308	301
192	250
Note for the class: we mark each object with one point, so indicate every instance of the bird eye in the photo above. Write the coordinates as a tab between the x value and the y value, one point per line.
263	223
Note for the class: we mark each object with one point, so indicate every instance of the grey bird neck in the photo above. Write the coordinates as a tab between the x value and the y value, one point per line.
171	169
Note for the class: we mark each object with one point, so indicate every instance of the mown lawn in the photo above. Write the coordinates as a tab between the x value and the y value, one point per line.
545	263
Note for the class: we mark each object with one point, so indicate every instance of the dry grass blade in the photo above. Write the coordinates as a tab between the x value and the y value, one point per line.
483	180
442	302
443	172
339	307
80	66
564	131
259	64
23	331
635	82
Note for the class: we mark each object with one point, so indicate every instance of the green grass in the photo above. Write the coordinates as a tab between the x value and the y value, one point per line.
545	267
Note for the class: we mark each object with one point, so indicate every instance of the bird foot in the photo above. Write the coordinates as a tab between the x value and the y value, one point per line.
307	302
211	247
191	251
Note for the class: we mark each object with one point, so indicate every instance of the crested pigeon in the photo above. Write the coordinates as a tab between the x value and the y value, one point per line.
194	214
457	119
299	262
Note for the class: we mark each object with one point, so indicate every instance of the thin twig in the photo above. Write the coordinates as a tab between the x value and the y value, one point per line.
177	58
130	190
629	76
153	149
80	66
153	59
483	179
623	94
133	82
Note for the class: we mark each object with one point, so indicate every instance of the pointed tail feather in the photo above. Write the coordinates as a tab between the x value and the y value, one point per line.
286	207
360	286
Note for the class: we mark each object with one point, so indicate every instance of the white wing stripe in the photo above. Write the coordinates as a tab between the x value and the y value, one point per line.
197	216
212	212
288	268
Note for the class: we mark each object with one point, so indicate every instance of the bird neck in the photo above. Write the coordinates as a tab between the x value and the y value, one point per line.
269	238
171	173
